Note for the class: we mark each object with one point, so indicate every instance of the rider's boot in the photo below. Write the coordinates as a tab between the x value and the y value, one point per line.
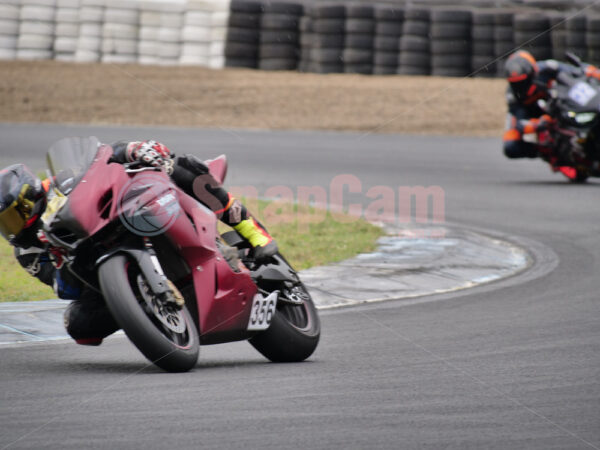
263	244
230	254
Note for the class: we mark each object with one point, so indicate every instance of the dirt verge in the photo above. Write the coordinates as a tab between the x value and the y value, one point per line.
55	92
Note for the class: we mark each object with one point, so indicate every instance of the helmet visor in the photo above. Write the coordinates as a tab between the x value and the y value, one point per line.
14	218
11	221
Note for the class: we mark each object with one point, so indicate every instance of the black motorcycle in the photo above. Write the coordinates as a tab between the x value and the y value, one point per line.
575	139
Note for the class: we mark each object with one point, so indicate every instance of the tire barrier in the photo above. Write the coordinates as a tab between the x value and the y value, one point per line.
305	28
532	33
415	55
504	39
171	34
359	39
423	37
389	22
576	34
451	42
120	31
558	34
36	29
204	33
243	33
325	47
67	30
219	21
483	53
9	29
592	38
89	42
279	36
150	21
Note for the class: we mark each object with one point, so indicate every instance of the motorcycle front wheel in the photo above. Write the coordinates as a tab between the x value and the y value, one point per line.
165	335
294	331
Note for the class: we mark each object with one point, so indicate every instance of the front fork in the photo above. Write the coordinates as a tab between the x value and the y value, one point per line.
152	271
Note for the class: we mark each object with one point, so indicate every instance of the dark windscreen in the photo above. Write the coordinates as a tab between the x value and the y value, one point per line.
69	159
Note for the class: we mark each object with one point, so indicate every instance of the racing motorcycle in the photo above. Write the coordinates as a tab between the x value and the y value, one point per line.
572	145
170	280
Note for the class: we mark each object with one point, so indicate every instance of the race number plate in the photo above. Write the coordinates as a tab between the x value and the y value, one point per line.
582	93
262	312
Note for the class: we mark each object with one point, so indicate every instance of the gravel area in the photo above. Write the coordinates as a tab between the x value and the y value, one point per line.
54	92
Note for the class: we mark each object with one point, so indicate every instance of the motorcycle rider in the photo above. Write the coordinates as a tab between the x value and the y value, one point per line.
529	81
185	171
23	199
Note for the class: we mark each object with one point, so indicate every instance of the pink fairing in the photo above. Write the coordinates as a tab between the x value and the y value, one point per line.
223	296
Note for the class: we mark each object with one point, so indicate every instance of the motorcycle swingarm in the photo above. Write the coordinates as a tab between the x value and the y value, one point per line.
148	264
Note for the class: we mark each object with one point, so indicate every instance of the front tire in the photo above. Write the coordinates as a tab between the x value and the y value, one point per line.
294	332
173	349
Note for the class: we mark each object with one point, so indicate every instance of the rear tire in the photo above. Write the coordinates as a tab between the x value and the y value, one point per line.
294	332
581	177
170	350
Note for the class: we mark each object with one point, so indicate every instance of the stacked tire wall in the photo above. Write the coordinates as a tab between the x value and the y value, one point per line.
36	29
9	29
243	34
171	33
415	55
120	32
424	37
359	39
483	53
558	34
504	38
592	38
204	33
279	36
451	42
327	38
67	30
389	22
576	32
532	33
89	42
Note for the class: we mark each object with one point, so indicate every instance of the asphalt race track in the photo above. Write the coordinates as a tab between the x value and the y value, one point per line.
511	365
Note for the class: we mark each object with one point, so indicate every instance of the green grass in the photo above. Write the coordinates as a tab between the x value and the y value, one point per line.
15	283
307	237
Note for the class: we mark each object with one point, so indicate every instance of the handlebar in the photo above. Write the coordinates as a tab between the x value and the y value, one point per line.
143	169
138	166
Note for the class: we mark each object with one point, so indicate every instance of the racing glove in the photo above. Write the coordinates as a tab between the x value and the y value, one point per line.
592	72
151	153
535	125
546	122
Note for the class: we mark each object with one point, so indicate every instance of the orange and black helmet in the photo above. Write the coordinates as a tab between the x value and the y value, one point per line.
520	70
22	199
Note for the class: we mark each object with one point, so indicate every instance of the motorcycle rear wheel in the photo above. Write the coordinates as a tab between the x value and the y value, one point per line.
173	351
294	332
581	177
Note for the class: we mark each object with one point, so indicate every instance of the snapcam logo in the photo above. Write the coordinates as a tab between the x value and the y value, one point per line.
148	205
